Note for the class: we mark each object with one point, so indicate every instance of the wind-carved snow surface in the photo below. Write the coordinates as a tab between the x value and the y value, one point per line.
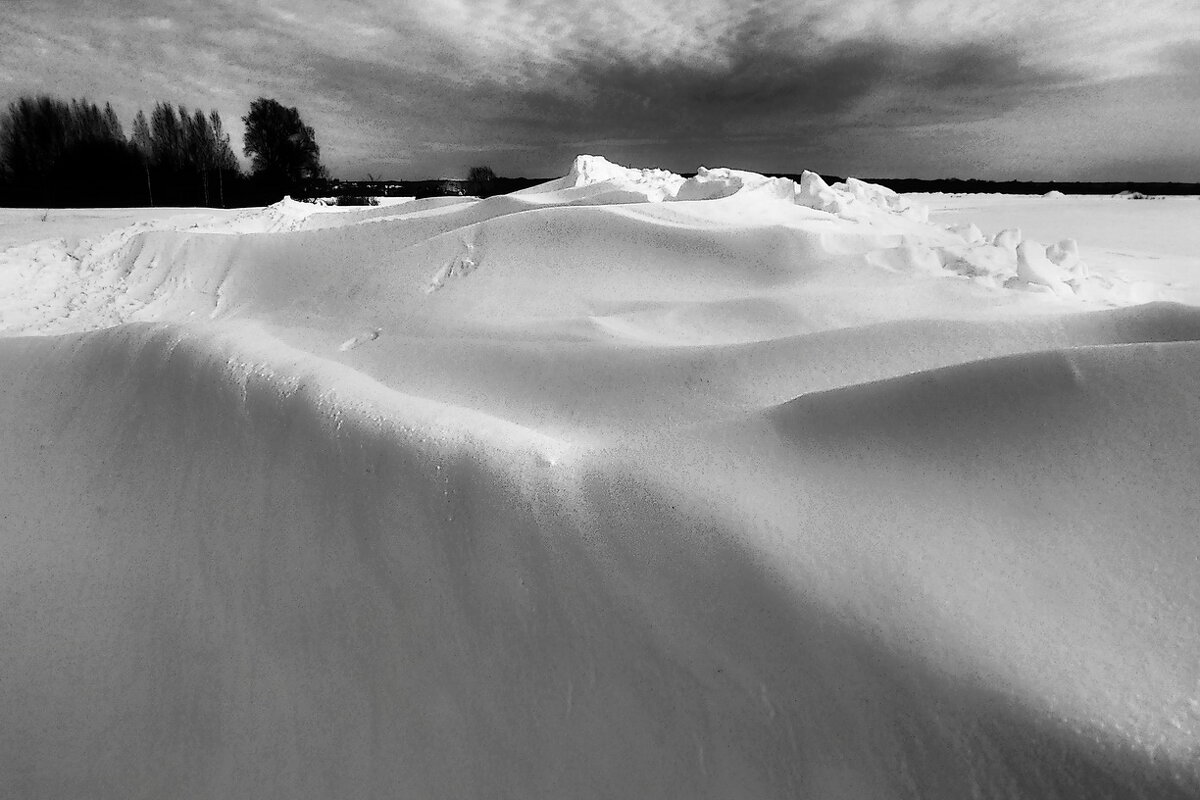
626	485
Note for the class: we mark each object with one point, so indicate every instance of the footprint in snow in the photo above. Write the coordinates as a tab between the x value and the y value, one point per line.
362	338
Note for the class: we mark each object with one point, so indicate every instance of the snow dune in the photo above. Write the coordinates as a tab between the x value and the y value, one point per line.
627	485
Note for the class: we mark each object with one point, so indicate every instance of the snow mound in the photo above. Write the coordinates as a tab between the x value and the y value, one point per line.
595	179
710	184
1130	194
1009	259
589	170
882	198
281	217
628	484
605	180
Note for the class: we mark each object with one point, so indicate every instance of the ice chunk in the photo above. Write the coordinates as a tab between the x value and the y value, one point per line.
872	194
1064	253
1033	267
654	185
710	184
1008	238
815	193
969	232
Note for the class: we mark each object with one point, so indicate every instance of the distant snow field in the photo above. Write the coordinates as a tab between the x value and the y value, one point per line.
625	485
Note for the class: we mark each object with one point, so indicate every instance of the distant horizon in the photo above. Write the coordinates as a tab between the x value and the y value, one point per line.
1029	90
945	179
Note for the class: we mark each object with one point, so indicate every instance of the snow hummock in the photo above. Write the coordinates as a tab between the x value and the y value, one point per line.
617	184
654	184
627	485
964	251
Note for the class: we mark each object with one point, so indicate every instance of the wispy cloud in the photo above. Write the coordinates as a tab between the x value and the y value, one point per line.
428	87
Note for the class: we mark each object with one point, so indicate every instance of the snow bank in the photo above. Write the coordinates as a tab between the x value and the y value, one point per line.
625	485
616	184
593	180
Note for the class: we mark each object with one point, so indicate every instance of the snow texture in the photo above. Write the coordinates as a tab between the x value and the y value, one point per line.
625	485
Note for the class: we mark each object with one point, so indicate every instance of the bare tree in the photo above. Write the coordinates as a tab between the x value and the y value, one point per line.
223	156
144	145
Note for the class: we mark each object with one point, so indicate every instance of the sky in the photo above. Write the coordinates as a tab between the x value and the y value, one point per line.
1013	89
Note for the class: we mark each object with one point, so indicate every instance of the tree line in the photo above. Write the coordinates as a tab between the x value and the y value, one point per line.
58	153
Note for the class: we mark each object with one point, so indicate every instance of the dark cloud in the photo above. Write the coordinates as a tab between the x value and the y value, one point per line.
1182	60
759	89
764	82
754	81
986	67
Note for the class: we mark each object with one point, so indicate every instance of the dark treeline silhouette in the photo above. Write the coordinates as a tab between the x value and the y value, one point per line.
185	157
55	153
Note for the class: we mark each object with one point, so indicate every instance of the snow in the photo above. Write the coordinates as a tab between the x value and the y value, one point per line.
626	485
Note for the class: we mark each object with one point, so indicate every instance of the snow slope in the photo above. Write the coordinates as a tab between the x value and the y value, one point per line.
622	486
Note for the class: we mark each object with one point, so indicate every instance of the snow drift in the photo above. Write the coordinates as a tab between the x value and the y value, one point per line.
624	485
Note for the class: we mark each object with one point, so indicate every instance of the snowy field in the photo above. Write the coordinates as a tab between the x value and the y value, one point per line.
623	486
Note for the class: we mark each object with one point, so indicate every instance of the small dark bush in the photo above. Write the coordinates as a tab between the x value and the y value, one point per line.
481	182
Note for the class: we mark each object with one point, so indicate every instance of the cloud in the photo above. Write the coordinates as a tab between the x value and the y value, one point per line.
1182	59
429	86
548	73
757	82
